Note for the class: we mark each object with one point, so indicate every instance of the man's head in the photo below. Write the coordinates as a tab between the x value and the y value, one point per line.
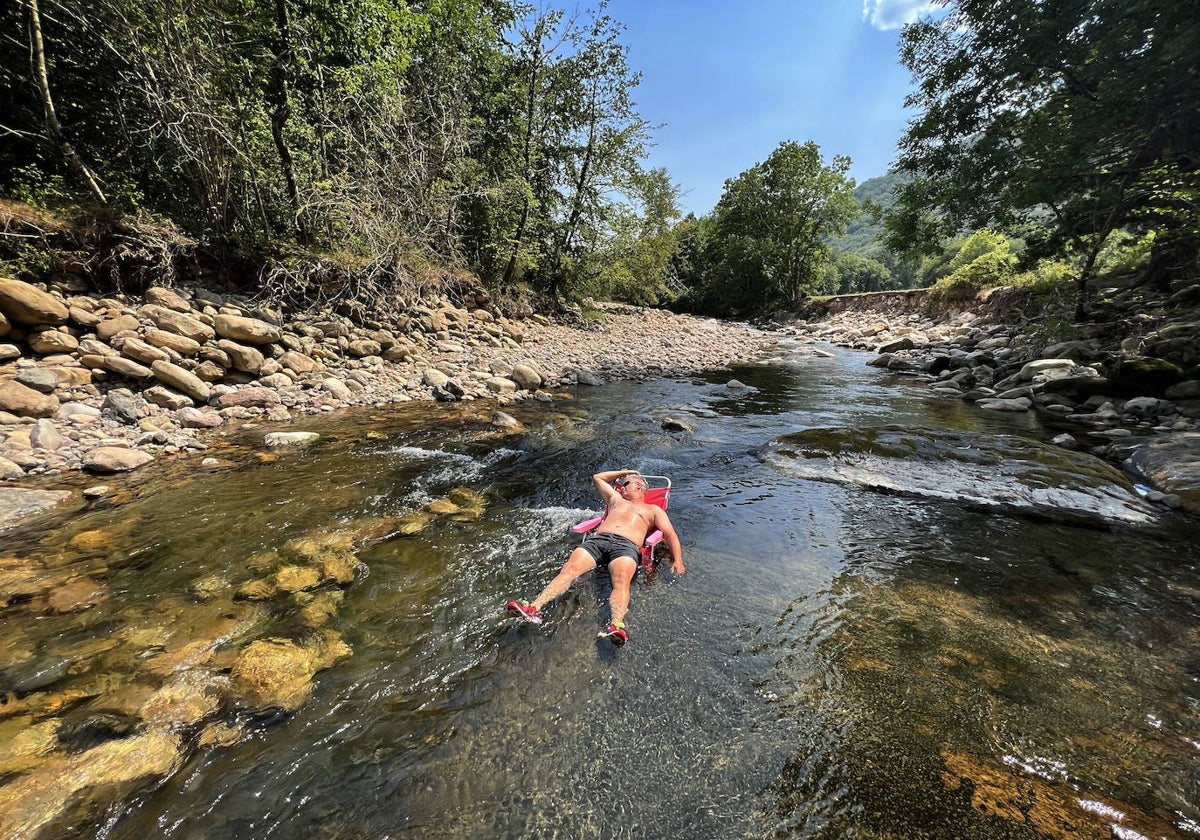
632	485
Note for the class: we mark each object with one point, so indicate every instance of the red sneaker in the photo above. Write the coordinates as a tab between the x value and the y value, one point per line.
525	611
615	633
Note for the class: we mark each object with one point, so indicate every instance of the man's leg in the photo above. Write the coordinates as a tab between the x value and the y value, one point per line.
622	570
578	563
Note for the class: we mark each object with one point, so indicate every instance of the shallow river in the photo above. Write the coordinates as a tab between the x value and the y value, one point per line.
836	662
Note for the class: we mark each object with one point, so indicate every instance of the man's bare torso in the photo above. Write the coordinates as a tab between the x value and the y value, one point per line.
631	520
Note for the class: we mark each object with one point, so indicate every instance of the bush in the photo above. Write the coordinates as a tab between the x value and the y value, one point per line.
994	268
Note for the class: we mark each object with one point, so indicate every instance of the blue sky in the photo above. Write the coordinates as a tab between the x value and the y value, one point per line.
729	80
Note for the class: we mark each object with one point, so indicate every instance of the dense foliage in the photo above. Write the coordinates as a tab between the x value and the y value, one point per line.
1069	120
481	133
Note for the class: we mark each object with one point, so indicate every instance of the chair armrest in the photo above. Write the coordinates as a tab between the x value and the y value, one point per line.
588	525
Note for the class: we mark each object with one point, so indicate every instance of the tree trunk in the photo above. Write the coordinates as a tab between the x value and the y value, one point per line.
53	127
1085	277
277	95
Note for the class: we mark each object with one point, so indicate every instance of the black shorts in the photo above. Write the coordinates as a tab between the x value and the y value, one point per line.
605	548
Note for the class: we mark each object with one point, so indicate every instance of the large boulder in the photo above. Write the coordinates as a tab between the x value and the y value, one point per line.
1003	473
18	503
1136	376
26	304
1171	463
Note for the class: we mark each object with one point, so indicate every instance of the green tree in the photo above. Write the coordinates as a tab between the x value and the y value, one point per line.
637	261
767	245
1089	109
853	273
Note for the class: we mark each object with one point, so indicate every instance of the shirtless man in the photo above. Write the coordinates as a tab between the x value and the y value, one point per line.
614	544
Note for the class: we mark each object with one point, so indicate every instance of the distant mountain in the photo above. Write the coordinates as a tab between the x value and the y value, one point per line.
862	236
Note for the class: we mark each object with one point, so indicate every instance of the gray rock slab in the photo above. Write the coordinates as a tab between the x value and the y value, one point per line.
20	503
996	472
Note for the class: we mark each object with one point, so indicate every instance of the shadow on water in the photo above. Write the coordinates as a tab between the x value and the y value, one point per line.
836	663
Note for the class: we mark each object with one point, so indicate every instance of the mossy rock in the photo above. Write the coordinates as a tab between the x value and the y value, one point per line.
1145	376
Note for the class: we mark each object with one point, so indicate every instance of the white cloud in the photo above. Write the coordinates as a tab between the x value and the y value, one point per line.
892	14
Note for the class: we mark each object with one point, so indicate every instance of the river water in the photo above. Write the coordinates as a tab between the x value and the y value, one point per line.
835	663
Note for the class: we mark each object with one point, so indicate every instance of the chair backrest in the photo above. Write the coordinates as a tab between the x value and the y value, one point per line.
658	496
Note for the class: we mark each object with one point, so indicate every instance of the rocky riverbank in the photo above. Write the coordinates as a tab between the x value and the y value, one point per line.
108	384
1127	382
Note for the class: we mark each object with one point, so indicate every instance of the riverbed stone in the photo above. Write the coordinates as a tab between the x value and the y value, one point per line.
181	344
526	376
195	418
166	398
297	362
114	459
170	298
185	701
242	357
296	578
45	435
248	397
245	330
124	367
123	407
24	401
49	342
178	323
500	385
106	328
76	595
39	379
277	440
278	673
143	351
1001	403
23	303
8	352
337	388
181	380
10	470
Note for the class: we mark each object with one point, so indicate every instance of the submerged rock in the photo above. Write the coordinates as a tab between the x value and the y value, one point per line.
66	789
277	673
1171	463
18	503
1004	472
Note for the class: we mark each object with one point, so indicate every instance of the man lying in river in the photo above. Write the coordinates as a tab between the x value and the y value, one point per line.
614	544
